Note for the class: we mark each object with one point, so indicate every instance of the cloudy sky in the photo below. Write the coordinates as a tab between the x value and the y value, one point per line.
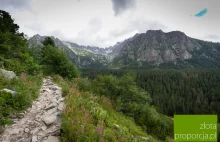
104	22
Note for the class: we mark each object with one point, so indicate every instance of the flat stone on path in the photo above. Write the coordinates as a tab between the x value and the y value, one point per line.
49	119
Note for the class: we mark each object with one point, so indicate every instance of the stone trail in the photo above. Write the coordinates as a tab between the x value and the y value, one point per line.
41	122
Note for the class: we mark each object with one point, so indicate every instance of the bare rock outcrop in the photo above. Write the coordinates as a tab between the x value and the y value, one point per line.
7	74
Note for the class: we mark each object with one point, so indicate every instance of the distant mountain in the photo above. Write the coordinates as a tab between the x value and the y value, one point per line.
146	50
81	56
95	50
173	49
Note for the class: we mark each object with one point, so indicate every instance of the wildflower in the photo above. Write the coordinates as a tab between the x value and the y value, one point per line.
99	129
86	115
23	75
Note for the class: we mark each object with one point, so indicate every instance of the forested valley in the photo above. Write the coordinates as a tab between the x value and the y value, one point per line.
188	91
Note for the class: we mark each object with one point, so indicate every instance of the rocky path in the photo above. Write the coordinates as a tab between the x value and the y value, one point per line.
41	122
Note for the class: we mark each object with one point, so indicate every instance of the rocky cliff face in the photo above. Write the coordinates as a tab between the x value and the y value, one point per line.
157	48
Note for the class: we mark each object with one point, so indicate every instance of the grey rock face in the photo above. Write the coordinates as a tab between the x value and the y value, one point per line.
158	47
7	74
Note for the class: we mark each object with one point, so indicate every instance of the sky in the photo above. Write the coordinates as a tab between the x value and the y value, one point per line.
103	23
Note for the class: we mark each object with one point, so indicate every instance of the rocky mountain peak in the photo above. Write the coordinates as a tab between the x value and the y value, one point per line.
175	36
154	32
155	36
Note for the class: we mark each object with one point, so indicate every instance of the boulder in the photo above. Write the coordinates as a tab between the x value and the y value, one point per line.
13	93
7	74
49	119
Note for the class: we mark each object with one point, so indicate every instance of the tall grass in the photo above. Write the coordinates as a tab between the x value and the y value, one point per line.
88	117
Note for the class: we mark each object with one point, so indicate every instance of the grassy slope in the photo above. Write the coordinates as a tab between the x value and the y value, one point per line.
91	118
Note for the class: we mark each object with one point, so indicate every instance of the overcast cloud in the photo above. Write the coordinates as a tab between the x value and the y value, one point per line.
13	5
119	6
104	22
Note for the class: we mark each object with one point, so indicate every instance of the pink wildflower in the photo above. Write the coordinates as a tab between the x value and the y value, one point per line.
23	75
99	129
86	115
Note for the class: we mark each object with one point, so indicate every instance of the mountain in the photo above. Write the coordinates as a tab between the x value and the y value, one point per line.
173	49
81	56
146	50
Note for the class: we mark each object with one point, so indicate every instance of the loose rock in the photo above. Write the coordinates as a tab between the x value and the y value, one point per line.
49	119
26	130
34	139
61	106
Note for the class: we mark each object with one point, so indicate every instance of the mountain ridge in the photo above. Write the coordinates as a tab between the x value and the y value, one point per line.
154	48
